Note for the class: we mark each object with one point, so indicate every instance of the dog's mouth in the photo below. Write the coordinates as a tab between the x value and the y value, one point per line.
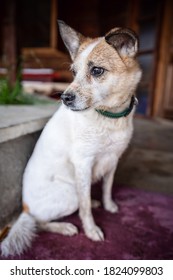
69	100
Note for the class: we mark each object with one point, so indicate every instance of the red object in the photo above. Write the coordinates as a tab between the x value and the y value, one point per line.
38	77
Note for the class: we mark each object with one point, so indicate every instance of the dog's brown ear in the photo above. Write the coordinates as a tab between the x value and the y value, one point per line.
124	40
71	38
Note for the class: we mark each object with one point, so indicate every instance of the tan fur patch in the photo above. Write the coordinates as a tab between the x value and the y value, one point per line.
106	56
4	232
25	208
85	43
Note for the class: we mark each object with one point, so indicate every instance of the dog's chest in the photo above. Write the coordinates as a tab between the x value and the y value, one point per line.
105	146
100	143
108	150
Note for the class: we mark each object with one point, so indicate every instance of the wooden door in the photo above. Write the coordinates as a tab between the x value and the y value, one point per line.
163	103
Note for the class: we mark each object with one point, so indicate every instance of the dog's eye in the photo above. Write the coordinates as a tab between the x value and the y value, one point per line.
97	71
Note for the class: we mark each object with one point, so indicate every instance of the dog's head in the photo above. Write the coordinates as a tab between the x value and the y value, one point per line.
105	69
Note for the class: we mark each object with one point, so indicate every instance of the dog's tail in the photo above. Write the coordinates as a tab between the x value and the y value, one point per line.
20	236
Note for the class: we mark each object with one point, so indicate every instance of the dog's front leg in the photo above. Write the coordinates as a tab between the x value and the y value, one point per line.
83	180
108	203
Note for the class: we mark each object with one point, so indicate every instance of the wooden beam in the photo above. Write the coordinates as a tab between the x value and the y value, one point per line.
164	56
53	24
9	39
133	15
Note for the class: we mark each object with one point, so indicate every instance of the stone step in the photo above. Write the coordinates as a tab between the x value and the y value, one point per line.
20	127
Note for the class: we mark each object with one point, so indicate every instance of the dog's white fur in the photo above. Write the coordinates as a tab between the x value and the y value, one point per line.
76	149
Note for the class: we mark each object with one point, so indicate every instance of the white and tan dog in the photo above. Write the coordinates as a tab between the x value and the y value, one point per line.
84	139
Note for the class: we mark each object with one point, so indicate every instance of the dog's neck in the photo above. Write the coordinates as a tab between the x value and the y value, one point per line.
121	111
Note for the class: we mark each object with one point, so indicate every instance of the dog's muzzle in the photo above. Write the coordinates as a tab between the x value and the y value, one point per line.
68	98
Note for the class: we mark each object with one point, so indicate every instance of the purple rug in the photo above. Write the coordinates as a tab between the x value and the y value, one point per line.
143	229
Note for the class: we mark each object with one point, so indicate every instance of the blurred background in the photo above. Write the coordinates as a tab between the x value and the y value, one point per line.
28	30
35	64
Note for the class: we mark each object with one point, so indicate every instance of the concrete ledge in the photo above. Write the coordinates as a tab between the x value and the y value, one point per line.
14	155
16	121
20	127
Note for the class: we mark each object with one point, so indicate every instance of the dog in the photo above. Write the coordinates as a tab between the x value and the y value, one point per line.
84	139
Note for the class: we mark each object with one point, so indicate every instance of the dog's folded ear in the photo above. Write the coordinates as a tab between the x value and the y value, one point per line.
124	40
71	38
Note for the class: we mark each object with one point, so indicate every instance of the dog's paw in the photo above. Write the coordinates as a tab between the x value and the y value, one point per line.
69	229
61	228
111	206
95	234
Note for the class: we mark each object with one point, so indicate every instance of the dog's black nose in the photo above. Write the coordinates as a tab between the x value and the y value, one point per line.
68	98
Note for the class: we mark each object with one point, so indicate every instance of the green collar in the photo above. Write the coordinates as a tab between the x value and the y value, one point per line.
124	113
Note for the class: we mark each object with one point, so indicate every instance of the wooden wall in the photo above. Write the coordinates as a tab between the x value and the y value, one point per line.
151	19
